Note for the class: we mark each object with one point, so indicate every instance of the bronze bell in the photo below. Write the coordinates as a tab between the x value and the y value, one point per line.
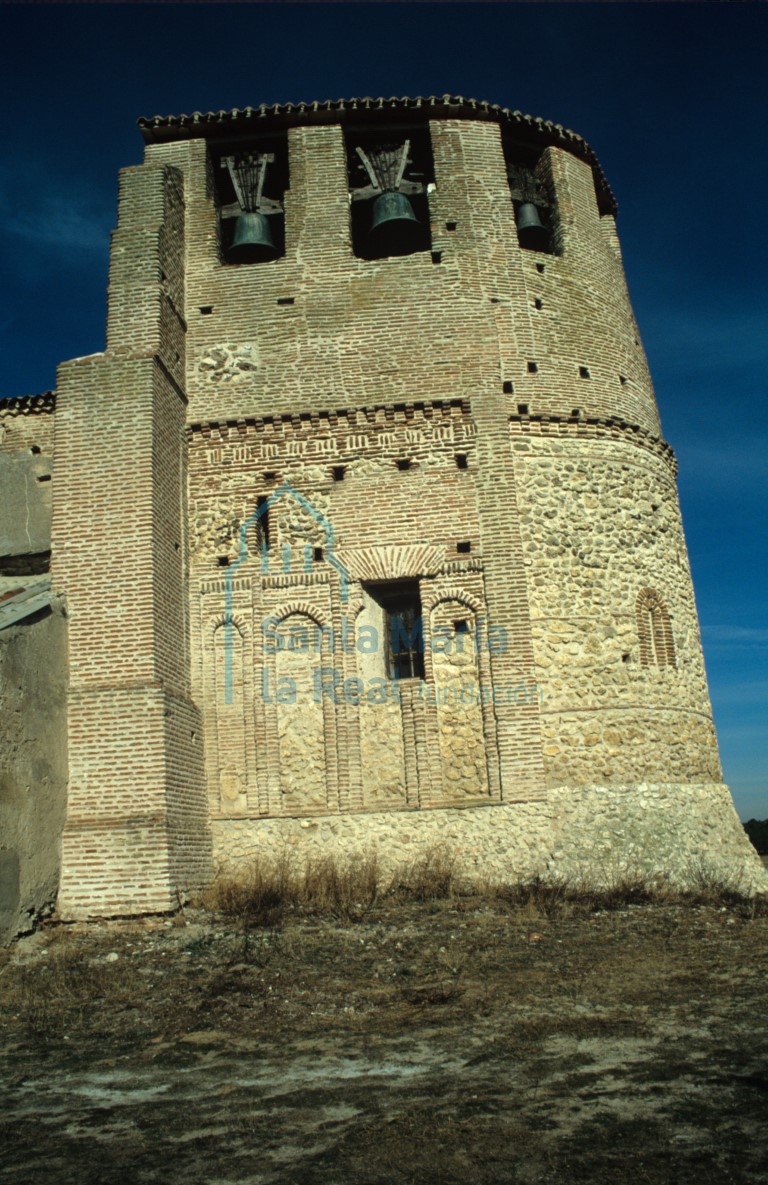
531	231
395	229
252	241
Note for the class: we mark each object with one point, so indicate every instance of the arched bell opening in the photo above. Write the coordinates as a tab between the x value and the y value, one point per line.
251	185
532	200
389	180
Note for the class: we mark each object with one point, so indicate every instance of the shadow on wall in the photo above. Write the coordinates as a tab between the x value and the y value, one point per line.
33	760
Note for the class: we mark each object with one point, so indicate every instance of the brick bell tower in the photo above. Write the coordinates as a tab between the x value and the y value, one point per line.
364	518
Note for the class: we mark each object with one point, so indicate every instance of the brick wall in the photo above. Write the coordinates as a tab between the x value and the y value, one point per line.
136	829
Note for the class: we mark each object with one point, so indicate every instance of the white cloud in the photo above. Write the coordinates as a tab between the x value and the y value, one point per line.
62	218
689	343
739	635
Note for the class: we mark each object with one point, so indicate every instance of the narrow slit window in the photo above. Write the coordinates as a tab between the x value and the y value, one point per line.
263	520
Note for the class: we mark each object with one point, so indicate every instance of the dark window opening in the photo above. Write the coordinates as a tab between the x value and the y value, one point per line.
317	554
538	304
270	476
389	176
338	472
206	310
262	520
285	300
44	477
404	464
451	225
222	561
533	368
461	461
584	372
508	388
464	547
461	627
35	449
623	379
576	412
401	603
522	409
437	257
540	268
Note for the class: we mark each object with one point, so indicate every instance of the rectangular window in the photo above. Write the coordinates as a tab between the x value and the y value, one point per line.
404	632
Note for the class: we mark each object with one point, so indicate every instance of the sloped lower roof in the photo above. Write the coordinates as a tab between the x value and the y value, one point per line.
243	120
21	596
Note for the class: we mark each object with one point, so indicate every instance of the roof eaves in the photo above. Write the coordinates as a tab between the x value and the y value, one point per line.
159	128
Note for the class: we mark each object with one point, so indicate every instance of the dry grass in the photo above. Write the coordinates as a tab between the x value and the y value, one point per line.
348	889
68	983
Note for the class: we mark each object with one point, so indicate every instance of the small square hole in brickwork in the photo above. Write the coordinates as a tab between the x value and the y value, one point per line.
461	460
44	477
404	464
317	554
508	388
625	658
206	309
223	561
464	547
437	257
450	225
584	372
338	472
285	300
270	476
623	380
522	409
461	627
494	300
575	413
533	368
34	449
540	267
538	304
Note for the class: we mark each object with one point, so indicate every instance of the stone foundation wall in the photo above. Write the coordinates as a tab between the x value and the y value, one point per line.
596	834
33	766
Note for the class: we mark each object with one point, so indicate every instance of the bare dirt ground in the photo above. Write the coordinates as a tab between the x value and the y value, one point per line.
462	1040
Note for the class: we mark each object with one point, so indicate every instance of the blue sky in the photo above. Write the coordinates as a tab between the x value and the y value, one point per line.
671	96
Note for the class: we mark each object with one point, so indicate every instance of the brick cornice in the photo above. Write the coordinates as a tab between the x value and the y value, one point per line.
28	405
354	416
593	428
